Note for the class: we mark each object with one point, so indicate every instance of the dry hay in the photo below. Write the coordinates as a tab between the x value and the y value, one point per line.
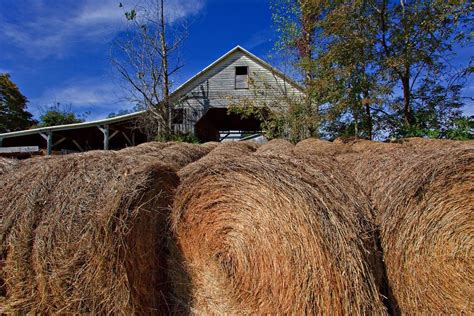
222	152
146	148
423	198
313	146
273	235
210	145
182	154
419	143
85	234
361	145
6	165
425	208
276	146
177	154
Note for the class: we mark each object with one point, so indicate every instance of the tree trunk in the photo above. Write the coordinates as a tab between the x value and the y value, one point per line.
407	111
369	121
305	48
368	114
355	114
166	91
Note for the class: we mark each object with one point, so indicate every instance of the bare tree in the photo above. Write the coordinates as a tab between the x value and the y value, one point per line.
146	57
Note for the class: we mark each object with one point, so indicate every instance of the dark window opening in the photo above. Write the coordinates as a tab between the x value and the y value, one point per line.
241	77
178	116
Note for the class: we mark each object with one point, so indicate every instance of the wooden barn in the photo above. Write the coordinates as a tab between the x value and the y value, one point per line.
200	103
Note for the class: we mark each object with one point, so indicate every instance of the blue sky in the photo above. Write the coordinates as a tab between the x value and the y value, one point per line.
58	51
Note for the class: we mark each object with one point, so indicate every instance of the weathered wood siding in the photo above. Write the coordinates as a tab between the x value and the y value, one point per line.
216	88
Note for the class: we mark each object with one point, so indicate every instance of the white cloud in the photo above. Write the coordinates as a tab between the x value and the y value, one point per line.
52	28
96	96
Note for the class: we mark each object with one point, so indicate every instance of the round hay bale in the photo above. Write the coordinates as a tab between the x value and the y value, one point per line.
6	165
425	214
85	234
419	143
276	146
314	146
176	154
145	148
210	145
273	235
182	154
361	145
224	151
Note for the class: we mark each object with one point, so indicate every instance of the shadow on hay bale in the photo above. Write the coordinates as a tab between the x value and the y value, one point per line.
273	235
85	234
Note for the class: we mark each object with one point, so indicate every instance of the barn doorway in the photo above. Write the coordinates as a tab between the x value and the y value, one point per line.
218	125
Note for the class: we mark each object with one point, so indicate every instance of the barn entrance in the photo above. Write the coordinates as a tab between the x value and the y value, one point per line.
218	125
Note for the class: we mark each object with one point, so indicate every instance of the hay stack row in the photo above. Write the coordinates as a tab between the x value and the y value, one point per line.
166	228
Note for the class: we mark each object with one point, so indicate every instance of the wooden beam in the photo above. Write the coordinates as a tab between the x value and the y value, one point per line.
77	145
59	141
127	139
113	134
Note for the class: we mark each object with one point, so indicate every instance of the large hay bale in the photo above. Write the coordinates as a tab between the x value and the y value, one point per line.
83	234
419	143
210	145
314	146
425	207
222	152
273	235
177	154
6	165
362	145
146	148
182	154
276	146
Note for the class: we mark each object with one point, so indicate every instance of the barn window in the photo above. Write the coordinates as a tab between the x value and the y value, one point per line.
242	77
178	116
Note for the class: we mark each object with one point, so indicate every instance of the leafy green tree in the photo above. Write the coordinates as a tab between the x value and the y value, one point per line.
416	38
59	115
13	113
356	86
376	67
298	23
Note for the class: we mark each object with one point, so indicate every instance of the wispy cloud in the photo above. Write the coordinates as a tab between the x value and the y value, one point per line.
96	96
259	38
52	28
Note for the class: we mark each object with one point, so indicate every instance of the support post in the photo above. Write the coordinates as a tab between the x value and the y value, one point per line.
1	141
49	141
105	131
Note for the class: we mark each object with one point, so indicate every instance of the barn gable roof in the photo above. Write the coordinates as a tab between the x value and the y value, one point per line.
194	81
